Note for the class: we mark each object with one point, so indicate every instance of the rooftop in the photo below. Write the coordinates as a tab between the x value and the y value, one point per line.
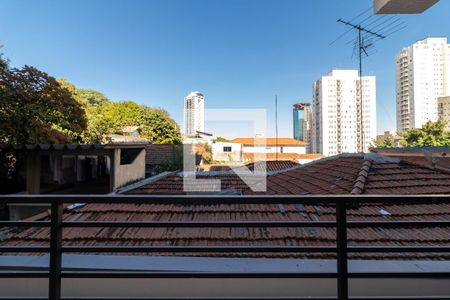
371	174
344	174
268	142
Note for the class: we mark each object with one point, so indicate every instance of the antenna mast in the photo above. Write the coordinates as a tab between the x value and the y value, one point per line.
276	127
362	49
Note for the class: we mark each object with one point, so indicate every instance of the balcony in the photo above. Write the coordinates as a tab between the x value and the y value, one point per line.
402	7
345	272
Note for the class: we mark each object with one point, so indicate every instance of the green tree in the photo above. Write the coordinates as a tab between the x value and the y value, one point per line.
159	127
221	139
34	108
3	61
155	124
105	117
84	96
431	134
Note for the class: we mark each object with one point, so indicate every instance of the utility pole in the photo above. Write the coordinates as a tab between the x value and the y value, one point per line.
362	46
276	127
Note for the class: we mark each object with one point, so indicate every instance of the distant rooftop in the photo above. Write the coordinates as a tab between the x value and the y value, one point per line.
196	93
411	149
268	142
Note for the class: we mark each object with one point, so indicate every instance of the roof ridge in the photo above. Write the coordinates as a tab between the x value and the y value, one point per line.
320	160
142	182
361	179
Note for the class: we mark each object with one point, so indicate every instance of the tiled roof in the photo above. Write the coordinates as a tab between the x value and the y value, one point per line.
405	178
247	236
173	184
214	167
270	165
274	165
283	156
269	141
119	138
436	149
158	154
344	174
353	174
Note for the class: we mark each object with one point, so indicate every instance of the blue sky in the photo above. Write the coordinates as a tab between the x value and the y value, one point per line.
239	53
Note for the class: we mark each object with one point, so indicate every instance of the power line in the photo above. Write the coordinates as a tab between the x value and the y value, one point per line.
343	34
364	12
364	42
382	23
376	20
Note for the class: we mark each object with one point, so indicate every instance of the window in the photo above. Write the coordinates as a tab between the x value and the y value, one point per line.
226	149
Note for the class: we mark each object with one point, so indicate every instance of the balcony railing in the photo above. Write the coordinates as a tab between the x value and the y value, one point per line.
341	249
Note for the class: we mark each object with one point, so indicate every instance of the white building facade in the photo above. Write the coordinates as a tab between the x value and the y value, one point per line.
194	114
444	110
337	112
227	151
271	145
423	75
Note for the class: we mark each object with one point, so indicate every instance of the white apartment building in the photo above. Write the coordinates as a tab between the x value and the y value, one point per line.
423	75
337	113
444	110
194	114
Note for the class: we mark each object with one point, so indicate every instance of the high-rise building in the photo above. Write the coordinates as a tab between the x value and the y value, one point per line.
444	110
194	114
423	75
337	111
302	123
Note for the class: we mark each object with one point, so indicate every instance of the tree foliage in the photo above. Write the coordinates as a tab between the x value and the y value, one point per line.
34	108
380	143
155	124
86	97
106	117
205	151
221	139
431	134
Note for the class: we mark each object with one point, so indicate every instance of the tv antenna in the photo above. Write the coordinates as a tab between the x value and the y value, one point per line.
369	30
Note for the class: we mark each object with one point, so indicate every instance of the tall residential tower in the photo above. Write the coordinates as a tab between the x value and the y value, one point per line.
337	112
423	75
194	114
302	123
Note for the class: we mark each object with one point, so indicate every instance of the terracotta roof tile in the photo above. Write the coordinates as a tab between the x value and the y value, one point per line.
337	175
246	236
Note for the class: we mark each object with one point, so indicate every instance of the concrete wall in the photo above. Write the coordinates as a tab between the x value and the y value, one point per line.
124	174
195	288
234	287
